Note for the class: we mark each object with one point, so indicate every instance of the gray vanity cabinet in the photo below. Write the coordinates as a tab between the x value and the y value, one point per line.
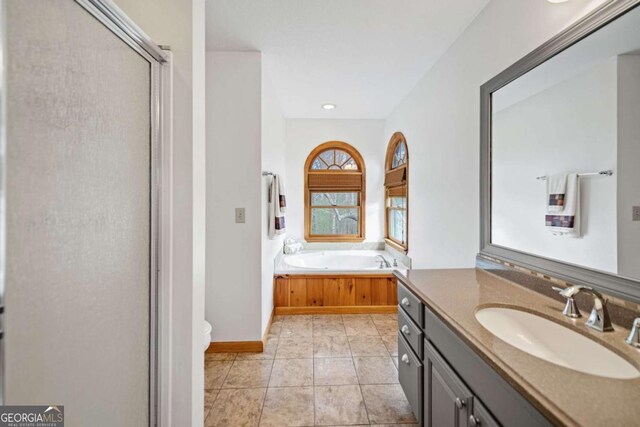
446	399
446	383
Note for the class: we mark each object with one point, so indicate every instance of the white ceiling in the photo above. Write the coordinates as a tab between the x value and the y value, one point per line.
363	55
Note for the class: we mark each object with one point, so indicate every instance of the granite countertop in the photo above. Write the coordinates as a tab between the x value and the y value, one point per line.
564	396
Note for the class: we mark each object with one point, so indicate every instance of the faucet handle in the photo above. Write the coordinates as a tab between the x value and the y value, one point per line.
634	336
570	309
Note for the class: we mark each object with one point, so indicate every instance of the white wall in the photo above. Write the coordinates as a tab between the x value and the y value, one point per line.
569	127
440	119
233	251
180	25
628	171
272	149
367	136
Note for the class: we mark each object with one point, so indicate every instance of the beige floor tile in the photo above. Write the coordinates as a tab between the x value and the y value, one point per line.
328	329
386	327
367	346
336	405
327	317
356	317
385	317
248	373
360	326
376	370
209	398
387	404
395	361
289	406
239	407
391	342
335	371
220	356
274	330
295	348
327	346
297	318
215	371
268	353
297	328
292	373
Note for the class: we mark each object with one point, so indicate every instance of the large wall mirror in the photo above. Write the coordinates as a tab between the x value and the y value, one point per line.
561	155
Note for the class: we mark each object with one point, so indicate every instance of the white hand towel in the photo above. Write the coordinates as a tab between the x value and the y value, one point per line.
277	207
556	192
567	222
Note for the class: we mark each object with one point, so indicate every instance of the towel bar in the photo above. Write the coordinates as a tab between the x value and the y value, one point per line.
606	172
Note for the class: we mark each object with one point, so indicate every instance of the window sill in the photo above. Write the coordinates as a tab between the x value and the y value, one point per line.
334	239
396	246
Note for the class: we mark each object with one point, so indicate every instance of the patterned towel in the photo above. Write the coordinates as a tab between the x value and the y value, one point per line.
277	207
567	221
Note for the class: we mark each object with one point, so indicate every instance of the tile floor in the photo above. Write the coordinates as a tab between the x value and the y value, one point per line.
320	370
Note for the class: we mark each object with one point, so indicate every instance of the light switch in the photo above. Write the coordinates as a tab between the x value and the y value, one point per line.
240	219
636	213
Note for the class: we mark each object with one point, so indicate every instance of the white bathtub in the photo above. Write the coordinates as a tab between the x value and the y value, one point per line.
351	261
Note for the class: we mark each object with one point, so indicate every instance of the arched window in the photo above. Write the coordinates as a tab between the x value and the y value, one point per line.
396	190
334	194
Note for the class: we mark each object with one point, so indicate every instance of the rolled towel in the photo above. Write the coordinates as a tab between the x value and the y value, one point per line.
289	241
293	248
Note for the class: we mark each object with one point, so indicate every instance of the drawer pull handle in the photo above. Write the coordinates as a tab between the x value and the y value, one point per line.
459	403
406	302
473	421
405	330
405	359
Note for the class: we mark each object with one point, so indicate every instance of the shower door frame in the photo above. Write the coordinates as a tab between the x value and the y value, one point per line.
108	14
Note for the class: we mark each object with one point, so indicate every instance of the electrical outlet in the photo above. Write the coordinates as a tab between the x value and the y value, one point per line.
240	218
636	213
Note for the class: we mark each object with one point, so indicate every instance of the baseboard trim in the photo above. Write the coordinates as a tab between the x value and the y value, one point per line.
236	347
268	328
364	309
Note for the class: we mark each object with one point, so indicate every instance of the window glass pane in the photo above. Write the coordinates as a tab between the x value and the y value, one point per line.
350	165
400	155
341	157
328	156
334	221
318	164
398	202
398	225
334	160
334	199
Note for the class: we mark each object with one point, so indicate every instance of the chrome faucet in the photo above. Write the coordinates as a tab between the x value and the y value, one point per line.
383	262
634	336
599	317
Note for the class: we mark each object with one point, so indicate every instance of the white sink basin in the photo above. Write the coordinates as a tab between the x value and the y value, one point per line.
554	343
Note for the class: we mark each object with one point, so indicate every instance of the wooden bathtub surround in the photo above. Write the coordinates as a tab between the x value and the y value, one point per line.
340	294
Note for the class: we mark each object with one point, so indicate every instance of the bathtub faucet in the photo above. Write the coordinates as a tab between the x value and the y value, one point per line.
383	262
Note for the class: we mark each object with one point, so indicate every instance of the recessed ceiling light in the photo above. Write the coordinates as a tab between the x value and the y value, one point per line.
328	106
557	1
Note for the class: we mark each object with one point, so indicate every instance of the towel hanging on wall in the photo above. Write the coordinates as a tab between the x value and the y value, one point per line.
556	189
565	222
277	207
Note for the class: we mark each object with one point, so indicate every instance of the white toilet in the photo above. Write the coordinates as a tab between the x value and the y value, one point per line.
207	335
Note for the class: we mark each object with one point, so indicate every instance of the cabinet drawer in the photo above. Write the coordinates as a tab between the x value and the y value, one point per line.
481	416
411	304
410	376
410	331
